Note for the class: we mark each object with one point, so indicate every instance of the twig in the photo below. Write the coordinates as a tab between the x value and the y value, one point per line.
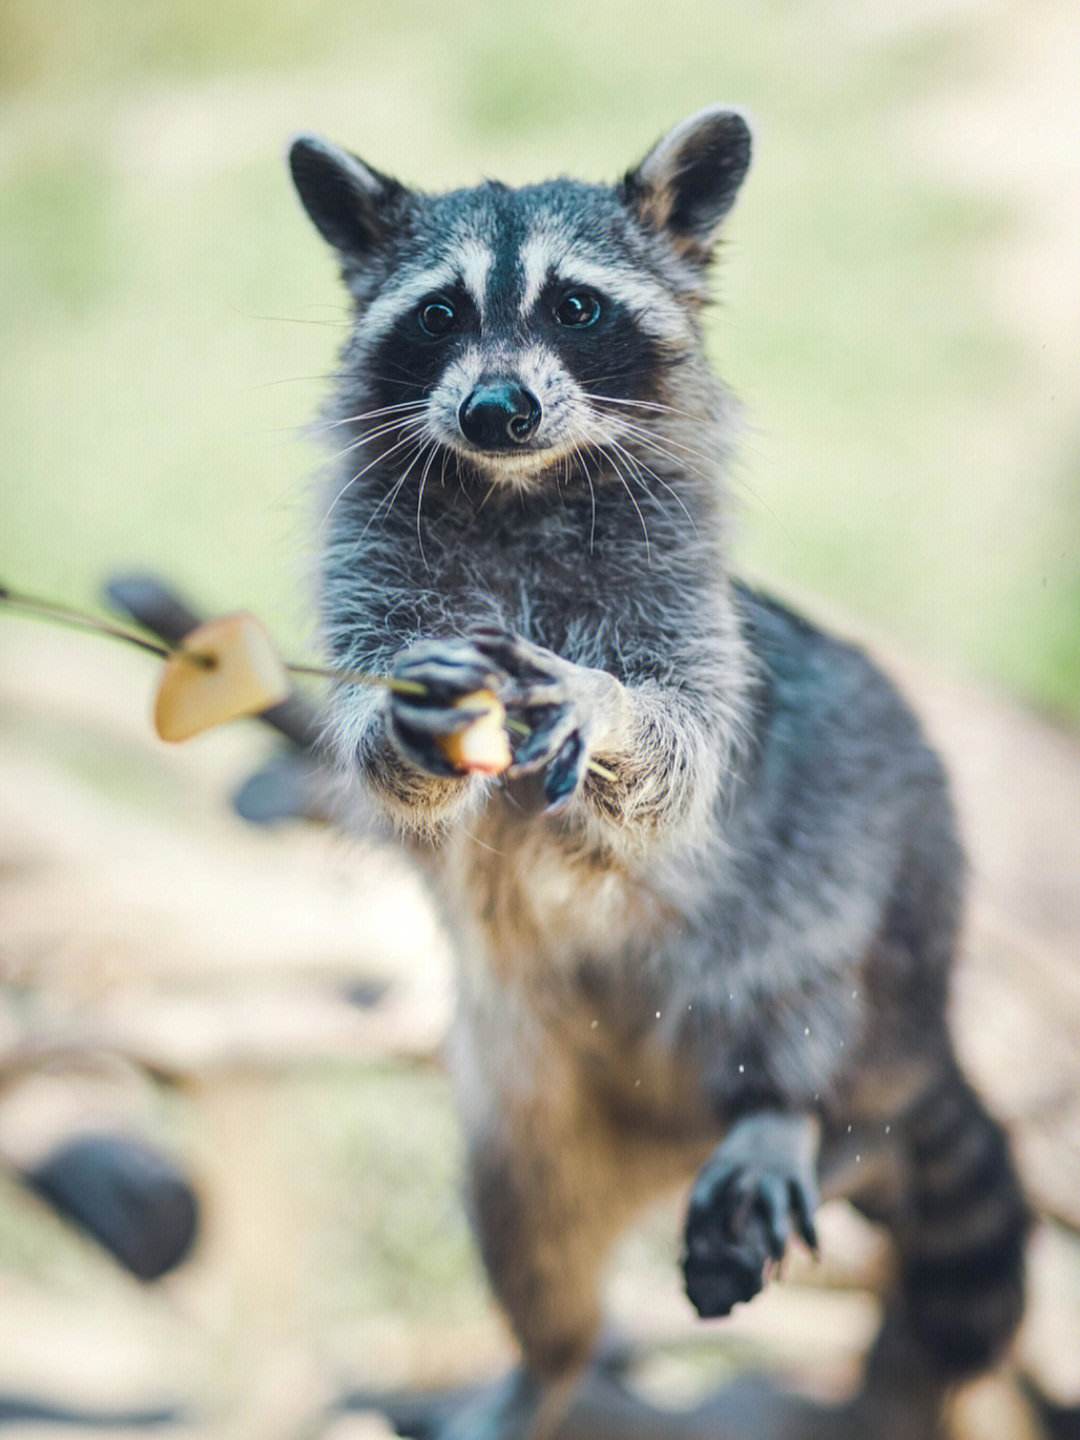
80	620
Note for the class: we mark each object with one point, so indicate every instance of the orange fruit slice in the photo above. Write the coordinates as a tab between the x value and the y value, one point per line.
225	668
482	748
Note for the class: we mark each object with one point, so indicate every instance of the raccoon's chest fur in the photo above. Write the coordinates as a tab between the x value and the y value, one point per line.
558	946
532	905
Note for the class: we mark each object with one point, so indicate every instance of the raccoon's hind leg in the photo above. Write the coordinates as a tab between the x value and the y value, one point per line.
552	1184
962	1233
545	1213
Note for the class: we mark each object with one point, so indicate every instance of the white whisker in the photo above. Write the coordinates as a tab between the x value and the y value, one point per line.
643	405
392	494
416	425
420	499
399	423
647	438
633	427
592	493
643	469
633	501
373	414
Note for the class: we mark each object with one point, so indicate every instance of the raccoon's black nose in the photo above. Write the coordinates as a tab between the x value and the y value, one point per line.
499	415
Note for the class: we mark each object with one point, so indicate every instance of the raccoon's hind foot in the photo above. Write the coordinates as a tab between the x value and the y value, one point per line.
517	1407
755	1192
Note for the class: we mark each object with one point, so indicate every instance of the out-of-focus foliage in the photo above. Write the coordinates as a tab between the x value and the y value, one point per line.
899	287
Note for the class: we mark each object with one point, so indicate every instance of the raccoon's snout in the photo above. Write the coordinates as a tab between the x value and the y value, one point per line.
499	416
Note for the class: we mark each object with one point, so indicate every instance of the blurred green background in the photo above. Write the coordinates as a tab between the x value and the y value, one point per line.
900	282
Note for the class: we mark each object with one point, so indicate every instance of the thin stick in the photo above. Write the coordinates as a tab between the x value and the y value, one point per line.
80	620
358	677
520	728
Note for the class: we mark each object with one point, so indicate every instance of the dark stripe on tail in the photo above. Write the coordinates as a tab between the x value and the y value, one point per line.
962	1245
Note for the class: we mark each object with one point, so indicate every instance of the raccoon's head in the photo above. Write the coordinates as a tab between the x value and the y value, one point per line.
515	328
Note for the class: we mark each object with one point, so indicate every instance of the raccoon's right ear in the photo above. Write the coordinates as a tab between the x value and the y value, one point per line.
688	182
351	204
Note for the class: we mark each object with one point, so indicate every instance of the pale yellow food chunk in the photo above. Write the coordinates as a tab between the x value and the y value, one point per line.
245	676
482	748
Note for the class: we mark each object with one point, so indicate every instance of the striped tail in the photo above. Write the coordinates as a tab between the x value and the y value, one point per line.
962	1245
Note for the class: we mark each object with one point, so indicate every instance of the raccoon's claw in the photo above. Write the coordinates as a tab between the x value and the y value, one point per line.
535	676
537	692
550	726
447	671
556	745
517	656
556	706
565	772
737	1230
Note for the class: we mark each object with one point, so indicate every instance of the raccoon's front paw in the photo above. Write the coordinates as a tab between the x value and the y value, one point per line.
555	703
436	676
740	1220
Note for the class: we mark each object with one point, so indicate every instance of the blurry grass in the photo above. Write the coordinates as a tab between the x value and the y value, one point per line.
372	1157
98	759
147	230
384	1157
36	1243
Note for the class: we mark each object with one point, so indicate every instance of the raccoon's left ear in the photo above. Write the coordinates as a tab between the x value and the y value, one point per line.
352	205
688	182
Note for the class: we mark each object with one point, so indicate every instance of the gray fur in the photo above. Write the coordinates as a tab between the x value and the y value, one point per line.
750	927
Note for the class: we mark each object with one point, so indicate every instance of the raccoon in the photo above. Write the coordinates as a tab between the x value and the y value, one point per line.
704	924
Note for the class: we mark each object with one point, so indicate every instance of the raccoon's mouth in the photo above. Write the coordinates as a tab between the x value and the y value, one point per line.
510	463
502	432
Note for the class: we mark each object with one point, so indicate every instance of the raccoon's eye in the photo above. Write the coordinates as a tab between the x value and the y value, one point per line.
436	317
578	310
